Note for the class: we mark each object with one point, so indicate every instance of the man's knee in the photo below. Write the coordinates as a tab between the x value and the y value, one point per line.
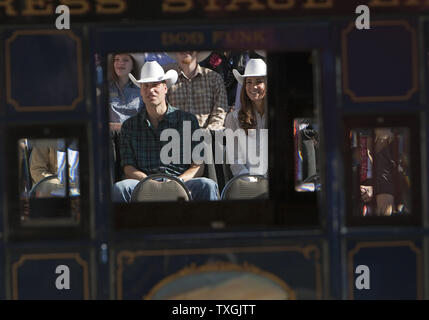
208	188
208	184
123	189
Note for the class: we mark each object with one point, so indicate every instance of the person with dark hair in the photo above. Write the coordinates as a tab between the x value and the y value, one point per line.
251	117
124	100
140	143
124	97
224	62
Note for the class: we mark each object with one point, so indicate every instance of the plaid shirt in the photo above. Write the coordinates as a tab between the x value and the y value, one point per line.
124	103
204	95
140	144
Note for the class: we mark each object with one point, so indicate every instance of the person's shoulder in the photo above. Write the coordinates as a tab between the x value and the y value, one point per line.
184	115
231	119
212	76
133	119
209	72
132	86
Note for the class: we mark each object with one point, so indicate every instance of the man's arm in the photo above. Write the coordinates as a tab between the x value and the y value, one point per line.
220	104
132	173
39	163
128	159
195	171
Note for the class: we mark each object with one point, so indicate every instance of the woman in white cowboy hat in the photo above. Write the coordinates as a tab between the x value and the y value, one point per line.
124	97
140	147
252	114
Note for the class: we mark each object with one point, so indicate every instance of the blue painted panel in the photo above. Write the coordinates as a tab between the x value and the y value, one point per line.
33	275
380	64
44	70
395	269
162	274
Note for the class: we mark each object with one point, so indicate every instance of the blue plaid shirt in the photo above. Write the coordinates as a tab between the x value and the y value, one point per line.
140	144
124	103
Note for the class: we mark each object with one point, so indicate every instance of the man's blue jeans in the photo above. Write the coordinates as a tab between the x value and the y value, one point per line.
200	189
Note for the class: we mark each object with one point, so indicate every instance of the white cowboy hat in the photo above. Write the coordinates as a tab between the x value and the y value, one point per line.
153	72
201	55
254	68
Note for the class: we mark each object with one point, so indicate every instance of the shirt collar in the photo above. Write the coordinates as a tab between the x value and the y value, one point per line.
199	71
169	116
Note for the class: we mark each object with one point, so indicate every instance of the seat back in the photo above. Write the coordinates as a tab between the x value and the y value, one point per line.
170	189
246	186
26	180
209	168
227	173
47	187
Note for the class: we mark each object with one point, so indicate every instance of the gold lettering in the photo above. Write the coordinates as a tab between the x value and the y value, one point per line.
37	8
245	36
110	6
273	4
314	4
182	38
199	37
212	6
383	3
259	36
177	5
254	5
165	39
7	4
412	3
218	36
77	6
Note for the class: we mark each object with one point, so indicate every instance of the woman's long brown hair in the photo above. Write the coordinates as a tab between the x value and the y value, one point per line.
113	75
246	114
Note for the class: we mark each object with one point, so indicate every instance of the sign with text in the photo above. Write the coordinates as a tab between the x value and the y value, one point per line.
43	11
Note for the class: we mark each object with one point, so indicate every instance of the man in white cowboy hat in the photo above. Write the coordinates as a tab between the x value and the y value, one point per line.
198	90
140	142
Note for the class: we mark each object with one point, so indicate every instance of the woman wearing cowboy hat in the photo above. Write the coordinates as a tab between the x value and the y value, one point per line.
251	117
141	146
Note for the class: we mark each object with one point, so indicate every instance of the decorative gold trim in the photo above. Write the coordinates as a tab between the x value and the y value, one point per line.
221	266
414	62
384	244
129	257
15	103
49	256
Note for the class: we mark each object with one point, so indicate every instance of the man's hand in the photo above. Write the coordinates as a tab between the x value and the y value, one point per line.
366	193
132	173
195	171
